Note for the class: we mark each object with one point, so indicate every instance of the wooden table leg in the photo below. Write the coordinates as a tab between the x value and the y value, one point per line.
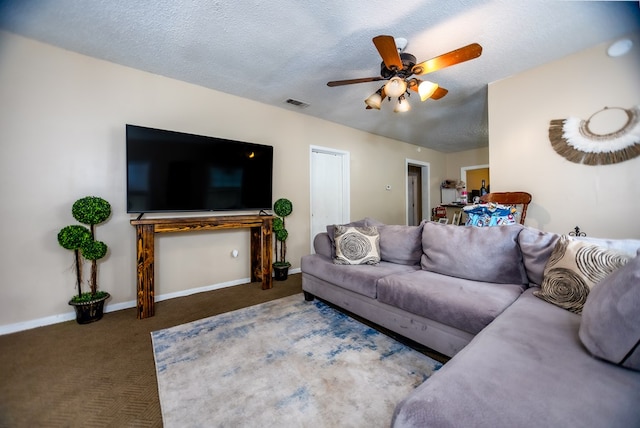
256	254
145	256
267	253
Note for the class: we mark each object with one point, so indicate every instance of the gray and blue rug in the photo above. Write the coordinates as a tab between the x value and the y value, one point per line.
285	363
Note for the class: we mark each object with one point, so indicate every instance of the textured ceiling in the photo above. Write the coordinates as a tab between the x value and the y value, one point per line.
270	51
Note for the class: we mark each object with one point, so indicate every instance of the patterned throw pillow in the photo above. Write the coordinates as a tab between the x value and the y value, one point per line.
357	245
573	268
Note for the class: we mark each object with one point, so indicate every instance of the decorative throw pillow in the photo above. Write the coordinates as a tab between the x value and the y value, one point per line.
331	230
357	245
573	268
610	325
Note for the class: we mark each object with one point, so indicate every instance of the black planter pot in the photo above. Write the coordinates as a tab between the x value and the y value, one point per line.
91	311
280	273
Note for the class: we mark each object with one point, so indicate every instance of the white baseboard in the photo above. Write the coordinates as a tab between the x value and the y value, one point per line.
68	316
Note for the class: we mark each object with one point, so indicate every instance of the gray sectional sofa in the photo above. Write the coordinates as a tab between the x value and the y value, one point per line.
475	294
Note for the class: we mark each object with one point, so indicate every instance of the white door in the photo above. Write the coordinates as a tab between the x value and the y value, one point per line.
329	191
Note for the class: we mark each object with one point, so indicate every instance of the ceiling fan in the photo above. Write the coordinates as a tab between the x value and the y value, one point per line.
399	69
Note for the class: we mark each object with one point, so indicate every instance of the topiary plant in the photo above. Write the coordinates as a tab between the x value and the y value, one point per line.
73	238
282	208
90	210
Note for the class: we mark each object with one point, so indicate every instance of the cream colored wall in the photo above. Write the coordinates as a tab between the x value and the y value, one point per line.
62	133
602	200
458	160
467	158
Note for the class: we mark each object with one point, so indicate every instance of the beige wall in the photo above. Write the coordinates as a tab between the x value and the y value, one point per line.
458	160
603	201
62	133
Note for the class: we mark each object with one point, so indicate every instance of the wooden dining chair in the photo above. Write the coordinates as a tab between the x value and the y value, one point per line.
520	200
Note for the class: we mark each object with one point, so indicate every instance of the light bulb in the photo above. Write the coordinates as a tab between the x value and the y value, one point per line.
374	100
426	89
402	106
395	87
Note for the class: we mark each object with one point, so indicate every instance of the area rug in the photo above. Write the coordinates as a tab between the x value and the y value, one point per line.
285	363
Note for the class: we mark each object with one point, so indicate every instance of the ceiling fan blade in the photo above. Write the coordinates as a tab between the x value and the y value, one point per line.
439	93
352	81
387	49
457	56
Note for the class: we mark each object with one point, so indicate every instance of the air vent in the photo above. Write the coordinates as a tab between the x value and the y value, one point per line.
297	103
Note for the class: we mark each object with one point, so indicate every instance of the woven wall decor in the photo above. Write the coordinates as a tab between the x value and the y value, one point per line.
572	139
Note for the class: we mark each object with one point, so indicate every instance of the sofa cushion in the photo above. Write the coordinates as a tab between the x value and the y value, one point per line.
401	244
536	247
528	368
489	254
368	221
357	245
464	304
573	268
610	326
361	279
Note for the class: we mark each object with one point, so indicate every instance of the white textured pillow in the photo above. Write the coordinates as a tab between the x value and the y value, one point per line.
572	270
356	245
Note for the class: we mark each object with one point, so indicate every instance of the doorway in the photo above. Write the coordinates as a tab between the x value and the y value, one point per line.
418	200
329	189
473	177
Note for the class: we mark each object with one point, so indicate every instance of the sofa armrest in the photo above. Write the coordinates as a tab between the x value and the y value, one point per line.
322	244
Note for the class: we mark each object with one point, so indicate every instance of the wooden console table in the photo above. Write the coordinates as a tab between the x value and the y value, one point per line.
261	248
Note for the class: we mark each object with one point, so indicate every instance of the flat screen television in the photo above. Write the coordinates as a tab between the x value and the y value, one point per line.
170	171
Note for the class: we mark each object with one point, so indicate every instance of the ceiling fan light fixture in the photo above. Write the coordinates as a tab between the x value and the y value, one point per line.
402	106
426	89
374	100
395	87
397	69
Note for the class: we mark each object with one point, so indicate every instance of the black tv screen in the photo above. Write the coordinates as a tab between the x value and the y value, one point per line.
173	171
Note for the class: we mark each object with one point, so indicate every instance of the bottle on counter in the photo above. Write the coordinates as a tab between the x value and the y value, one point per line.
483	189
463	196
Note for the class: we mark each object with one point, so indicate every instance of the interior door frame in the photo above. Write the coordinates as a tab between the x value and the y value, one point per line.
426	187
464	169
346	185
